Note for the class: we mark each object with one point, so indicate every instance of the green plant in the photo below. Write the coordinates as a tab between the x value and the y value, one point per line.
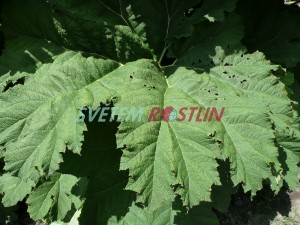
61	56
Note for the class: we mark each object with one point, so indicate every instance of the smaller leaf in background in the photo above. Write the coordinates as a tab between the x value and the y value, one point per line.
105	205
23	56
169	213
221	195
74	220
1	41
105	196
1	32
210	10
287	78
274	30
116	206
200	214
197	51
82	25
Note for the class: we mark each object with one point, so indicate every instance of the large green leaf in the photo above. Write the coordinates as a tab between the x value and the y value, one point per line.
170	163
177	158
182	155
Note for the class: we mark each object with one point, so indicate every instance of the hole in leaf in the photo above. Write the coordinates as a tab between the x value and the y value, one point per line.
11	84
219	142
